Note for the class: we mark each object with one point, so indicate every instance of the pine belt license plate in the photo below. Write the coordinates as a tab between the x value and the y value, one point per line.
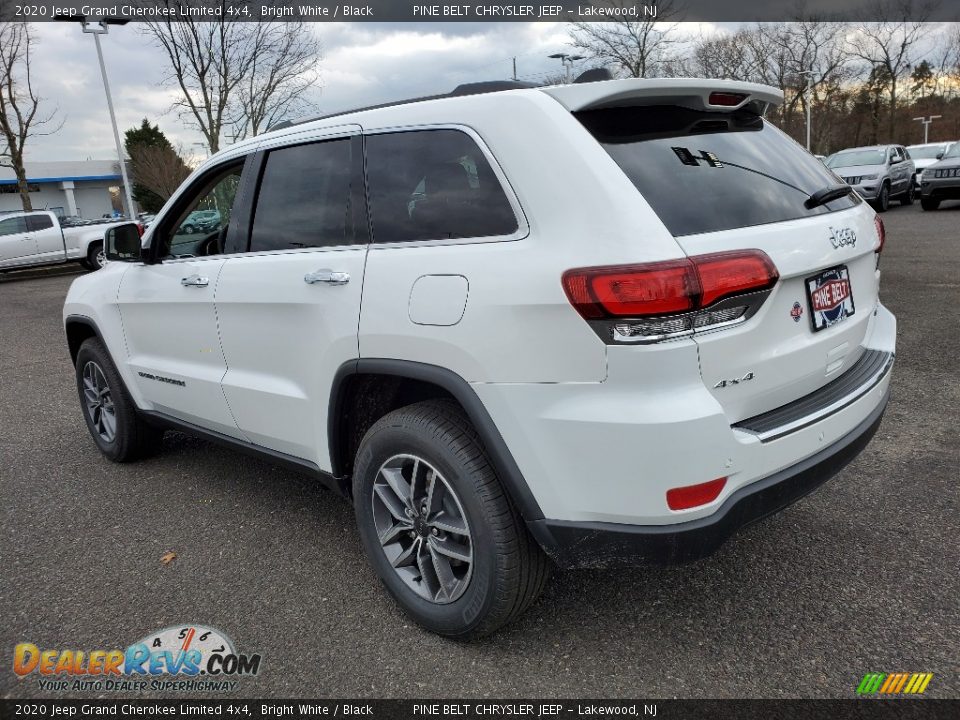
830	297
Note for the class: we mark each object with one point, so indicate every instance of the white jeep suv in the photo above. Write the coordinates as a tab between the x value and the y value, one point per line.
596	324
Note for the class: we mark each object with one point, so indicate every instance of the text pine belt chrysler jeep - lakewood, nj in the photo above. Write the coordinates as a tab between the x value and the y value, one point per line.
603	323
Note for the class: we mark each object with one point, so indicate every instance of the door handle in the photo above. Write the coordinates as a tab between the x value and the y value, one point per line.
330	277
195	281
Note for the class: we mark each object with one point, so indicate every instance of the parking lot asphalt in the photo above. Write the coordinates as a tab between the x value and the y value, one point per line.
861	576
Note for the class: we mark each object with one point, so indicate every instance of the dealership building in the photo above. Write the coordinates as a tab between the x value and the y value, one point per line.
88	188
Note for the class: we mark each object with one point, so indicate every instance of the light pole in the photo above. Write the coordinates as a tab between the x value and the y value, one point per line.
927	122
809	92
568	61
101	27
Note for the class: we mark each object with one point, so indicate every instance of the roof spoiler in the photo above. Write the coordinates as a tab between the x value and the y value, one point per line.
697	94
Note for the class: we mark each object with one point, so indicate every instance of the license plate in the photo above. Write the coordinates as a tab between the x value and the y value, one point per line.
830	297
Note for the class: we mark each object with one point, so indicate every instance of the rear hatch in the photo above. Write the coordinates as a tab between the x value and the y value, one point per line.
724	179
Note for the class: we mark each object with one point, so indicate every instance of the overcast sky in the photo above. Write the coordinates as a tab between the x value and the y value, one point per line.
363	64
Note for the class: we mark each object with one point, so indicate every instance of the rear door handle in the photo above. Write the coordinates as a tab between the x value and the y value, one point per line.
195	281
330	277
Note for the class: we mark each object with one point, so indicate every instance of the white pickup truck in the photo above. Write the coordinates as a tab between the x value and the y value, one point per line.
37	238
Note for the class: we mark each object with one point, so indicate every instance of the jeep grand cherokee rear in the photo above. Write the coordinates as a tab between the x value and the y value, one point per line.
601	323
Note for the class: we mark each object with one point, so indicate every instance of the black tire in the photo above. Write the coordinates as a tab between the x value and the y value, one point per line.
94	259
907	197
882	203
508	571
929	203
133	438
187	229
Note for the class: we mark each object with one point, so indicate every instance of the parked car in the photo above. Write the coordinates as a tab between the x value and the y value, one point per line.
880	173
603	323
200	221
941	181
926	155
38	238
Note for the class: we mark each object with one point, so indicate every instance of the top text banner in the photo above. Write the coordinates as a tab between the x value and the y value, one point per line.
433	11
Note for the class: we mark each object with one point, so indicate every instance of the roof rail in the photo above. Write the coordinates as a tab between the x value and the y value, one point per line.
477	88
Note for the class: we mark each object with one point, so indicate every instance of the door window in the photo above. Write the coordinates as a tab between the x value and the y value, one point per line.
433	185
304	198
39	222
13	226
200	227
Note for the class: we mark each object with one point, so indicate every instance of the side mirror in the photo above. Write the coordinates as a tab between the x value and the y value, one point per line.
940	155
122	243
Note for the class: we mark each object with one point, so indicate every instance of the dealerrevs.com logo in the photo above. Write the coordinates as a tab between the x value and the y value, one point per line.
179	658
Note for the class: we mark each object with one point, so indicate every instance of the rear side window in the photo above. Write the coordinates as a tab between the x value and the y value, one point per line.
708	171
39	222
304	198
434	185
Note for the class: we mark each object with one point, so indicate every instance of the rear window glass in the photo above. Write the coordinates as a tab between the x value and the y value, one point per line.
38	222
434	185
707	171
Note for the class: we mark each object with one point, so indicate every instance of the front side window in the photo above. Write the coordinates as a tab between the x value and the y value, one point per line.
201	225
13	226
304	198
434	185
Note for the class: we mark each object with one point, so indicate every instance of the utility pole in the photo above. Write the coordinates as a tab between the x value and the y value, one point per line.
514	69
568	61
101	27
808	101
927	122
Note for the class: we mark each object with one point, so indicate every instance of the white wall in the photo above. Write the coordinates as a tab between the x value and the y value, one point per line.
93	199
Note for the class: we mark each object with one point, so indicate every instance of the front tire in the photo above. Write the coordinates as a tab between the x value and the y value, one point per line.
96	257
437	526
908	196
108	410
883	199
929	203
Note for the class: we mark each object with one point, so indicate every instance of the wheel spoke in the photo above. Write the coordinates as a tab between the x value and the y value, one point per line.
407	556
428	574
109	424
441	566
391	502
401	488
448	523
394	531
451	549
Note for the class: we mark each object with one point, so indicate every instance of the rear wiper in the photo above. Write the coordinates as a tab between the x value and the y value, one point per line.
827	194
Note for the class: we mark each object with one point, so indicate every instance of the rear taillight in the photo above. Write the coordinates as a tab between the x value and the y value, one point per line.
140	229
657	300
690	496
881	234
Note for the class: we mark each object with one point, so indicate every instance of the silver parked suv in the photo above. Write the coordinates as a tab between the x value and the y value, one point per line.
880	173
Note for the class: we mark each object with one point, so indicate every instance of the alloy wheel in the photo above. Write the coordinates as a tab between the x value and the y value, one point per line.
99	402
422	528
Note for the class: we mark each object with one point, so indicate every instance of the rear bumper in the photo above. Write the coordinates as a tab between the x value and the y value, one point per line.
601	544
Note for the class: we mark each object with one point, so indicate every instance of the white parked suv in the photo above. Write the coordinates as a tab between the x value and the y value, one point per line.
589	325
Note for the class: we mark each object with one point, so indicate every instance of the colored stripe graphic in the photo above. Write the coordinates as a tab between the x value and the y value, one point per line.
894	683
871	683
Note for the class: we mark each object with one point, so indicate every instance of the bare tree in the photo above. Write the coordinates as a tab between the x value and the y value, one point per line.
887	45
20	116
636	48
234	74
159	169
281	73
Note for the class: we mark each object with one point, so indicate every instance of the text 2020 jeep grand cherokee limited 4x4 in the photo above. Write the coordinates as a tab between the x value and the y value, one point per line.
587	325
